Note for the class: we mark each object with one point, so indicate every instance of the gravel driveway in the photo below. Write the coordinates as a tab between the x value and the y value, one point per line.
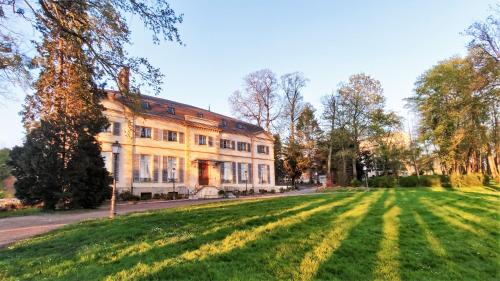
17	228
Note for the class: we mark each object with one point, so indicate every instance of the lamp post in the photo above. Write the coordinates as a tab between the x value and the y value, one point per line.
246	182
115	147
173	181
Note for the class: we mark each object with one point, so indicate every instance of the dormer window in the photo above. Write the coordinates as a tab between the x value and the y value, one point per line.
199	115
223	123
145	105
171	110
240	126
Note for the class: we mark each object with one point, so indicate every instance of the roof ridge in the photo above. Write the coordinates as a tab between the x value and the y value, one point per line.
199	108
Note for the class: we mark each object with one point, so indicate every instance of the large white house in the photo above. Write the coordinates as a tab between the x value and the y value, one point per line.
198	148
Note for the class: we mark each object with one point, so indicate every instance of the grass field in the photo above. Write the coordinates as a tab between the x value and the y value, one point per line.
396	234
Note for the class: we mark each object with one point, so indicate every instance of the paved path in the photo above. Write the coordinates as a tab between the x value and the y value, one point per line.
17	228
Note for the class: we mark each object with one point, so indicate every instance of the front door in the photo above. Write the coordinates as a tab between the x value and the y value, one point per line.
203	173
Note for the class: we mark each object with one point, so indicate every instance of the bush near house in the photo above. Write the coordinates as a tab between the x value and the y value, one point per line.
355	183
454	180
382	181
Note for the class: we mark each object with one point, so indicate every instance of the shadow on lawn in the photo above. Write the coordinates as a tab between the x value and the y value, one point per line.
429	248
104	241
275	255
235	240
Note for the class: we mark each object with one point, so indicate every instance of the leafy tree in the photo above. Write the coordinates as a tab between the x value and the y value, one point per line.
308	134
4	168
385	135
358	99
81	49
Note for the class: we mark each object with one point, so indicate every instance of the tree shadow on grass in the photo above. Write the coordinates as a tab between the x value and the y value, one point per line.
356	256
274	256
62	250
460	254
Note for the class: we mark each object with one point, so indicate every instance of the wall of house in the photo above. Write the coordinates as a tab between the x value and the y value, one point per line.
189	150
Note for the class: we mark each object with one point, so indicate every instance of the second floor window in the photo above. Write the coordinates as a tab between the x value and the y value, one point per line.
143	132
243	146
172	136
227	144
116	128
201	139
263	149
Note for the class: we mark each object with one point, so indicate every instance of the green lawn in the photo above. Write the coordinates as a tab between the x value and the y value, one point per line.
396	234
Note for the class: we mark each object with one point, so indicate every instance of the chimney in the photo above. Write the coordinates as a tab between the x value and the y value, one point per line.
123	79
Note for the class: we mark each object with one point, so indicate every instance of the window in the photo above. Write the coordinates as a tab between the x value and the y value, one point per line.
244	173
143	132
240	126
225	144
171	110
156	168
223	123
263	149
200	139
243	146
116	128
264	173
142	169
199	114
145	105
168	174
228	172
172	136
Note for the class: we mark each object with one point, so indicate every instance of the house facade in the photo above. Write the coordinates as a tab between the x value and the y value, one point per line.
170	146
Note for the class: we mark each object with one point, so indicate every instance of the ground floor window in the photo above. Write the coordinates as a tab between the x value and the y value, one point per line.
244	173
228	172
142	168
264	173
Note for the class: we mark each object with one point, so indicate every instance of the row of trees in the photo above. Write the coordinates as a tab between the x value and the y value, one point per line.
354	114
456	104
81	48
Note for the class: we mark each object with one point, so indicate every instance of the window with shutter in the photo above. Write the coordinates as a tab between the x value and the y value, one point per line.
164	169
268	174
250	176
181	137
233	170
222	178
156	168
240	179
181	170
136	165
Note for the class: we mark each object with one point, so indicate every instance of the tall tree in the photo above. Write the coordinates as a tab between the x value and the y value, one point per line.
279	168
359	98
82	48
454	101
308	135
292	85
259	102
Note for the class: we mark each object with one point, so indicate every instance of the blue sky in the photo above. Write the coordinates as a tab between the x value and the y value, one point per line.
393	41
